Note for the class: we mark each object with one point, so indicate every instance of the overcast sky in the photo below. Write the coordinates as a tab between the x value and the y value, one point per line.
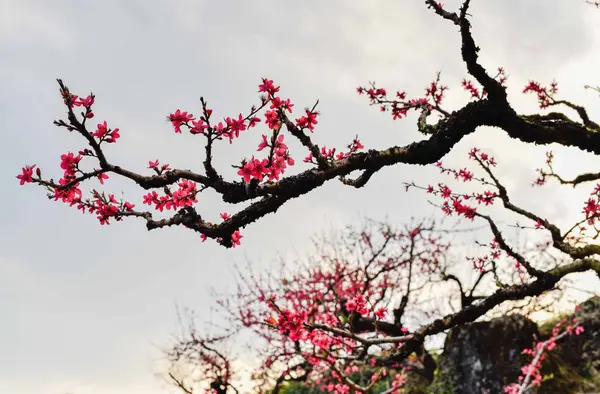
85	308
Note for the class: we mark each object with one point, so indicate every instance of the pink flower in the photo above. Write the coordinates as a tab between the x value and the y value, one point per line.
150	198
69	162
185	196
27	175
309	121
465	174
101	130
70	195
263	144
102	177
178	118
280	147
358	304
86	102
253	122
351	305
199	127
380	313
277	168
277	103
235	125
445	191
236	237
268	87
272	119
473	153
246	171
259	168
468	86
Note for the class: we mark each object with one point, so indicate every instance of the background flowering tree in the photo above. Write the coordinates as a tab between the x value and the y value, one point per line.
350	321
338	320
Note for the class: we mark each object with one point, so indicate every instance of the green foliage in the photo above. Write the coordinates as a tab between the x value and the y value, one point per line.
443	383
304	388
299	388
561	377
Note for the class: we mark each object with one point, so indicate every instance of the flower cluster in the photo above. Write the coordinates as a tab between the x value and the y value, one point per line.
436	91
467	85
400	106
457	202
591	207
544	94
72	101
106	207
184	196
307	121
269	168
272	167
26	175
104	134
434	96
531	375
307	309
330	154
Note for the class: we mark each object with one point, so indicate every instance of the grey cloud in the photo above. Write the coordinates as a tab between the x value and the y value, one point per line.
86	304
533	37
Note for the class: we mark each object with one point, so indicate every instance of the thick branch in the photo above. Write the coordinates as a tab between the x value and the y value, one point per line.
469	51
510	293
534	128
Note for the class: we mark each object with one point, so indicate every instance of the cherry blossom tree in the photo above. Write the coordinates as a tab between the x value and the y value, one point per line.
323	323
338	320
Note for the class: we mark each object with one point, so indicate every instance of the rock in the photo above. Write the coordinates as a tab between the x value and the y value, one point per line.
483	357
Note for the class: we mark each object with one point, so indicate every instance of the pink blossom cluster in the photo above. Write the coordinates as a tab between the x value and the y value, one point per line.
531	374
335	293
269	168
545	95
458	202
329	154
434	96
184	196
